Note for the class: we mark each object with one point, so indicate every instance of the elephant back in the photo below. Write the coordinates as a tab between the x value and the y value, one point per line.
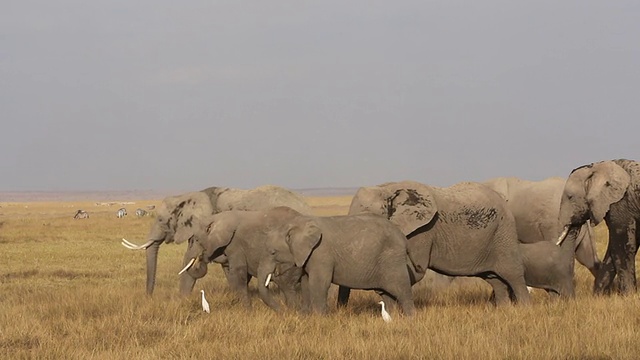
213	193
261	198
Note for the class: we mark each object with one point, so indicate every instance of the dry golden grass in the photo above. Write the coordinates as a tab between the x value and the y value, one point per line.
69	290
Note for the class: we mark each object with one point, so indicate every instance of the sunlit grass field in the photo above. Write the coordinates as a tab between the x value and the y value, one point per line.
69	290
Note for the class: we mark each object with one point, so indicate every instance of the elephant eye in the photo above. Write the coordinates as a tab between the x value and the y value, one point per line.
569	197
607	183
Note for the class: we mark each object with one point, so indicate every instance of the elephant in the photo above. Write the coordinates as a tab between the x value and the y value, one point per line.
239	239
536	206
609	191
549	267
199	204
363	251
461	230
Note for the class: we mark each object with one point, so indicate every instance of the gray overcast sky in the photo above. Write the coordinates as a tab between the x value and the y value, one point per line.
114	95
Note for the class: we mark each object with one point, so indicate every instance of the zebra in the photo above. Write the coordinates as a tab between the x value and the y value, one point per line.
81	214
140	212
121	213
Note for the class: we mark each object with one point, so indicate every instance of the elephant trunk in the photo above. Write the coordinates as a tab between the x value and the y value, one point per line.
152	262
592	242
187	282
266	271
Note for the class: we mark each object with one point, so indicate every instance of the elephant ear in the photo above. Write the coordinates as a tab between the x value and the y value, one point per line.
302	239
411	208
188	213
220	232
606	185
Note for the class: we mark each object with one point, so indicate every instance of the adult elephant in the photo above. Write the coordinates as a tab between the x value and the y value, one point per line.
239	239
213	200
608	190
536	206
364	251
462	230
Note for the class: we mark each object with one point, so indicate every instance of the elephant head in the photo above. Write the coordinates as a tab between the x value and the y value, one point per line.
589	192
289	246
209	238
408	204
176	220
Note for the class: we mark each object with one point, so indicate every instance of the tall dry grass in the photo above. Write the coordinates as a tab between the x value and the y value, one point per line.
69	290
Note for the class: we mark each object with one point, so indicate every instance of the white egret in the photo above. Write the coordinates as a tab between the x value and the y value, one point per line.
385	315
205	304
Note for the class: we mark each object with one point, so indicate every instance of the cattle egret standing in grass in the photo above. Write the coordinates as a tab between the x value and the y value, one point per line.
205	304
385	315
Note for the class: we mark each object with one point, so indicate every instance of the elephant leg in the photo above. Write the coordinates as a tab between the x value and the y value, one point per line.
397	284
306	296
343	295
225	270
500	295
403	296
389	301
627	268
512	277
238	282
319	283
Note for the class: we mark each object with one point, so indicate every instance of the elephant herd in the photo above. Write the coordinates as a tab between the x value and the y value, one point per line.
510	232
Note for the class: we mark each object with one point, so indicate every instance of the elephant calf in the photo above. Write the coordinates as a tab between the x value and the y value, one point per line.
360	251
549	267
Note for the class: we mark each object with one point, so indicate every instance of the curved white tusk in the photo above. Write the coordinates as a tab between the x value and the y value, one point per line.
563	236
266	283
132	246
188	266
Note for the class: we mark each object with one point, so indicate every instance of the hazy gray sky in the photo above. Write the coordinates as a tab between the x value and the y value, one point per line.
106	95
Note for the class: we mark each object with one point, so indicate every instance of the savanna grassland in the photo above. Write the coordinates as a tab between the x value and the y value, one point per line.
69	290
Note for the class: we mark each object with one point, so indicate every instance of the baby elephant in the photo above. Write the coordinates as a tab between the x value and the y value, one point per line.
549	267
363	251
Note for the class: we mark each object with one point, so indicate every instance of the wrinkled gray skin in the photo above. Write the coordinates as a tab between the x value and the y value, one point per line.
536	206
239	239
608	190
362	252
462	230
200	204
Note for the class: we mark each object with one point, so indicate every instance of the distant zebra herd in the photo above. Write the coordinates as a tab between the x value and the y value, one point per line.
121	213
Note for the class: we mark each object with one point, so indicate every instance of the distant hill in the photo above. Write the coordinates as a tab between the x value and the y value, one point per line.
126	195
